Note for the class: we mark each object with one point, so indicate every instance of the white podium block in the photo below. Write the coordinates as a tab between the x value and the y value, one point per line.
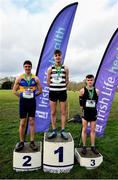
58	154
27	159
90	160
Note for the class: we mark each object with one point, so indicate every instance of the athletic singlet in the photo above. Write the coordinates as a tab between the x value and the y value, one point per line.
86	97
25	84
58	79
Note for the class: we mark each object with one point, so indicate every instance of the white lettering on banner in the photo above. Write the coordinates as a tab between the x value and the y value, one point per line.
114	68
44	102
108	87
98	128
45	77
44	98
58	38
100	118
104	101
42	114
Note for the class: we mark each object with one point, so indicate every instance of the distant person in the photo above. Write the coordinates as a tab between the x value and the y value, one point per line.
27	87
57	80
88	103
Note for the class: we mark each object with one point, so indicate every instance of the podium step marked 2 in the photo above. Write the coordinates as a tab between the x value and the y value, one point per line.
90	160
27	159
58	154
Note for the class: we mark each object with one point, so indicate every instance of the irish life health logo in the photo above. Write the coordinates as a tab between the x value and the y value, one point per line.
109	82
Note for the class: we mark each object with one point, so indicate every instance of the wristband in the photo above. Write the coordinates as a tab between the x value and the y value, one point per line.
81	100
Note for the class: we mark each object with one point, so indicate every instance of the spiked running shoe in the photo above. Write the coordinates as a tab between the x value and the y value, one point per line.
20	146
52	134
33	146
94	150
84	150
64	135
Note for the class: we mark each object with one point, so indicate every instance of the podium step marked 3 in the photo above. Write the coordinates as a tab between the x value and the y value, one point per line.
90	160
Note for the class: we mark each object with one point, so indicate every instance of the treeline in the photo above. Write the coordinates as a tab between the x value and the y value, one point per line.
75	86
8	82
72	86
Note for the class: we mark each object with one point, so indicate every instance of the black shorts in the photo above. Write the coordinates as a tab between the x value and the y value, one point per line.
89	114
58	95
27	107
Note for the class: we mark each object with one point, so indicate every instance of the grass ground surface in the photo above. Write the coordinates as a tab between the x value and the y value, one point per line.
107	145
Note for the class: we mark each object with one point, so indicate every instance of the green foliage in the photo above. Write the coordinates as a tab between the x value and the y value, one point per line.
7	85
9	123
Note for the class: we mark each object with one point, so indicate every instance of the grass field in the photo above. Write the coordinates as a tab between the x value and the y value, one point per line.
107	145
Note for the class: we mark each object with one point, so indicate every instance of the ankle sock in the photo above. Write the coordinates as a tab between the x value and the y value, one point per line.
62	130
54	130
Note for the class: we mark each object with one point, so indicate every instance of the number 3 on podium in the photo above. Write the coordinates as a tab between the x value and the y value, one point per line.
92	162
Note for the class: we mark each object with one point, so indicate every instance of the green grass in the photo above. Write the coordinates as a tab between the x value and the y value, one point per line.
107	145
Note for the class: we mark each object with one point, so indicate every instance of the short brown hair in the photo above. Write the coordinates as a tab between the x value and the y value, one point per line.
27	62
89	76
57	51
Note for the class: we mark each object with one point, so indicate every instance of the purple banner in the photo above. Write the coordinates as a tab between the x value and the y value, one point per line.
57	38
107	81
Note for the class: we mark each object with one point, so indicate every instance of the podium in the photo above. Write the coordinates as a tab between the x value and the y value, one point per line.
90	160
27	159
58	154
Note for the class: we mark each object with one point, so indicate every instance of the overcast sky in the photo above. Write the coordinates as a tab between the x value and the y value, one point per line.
25	23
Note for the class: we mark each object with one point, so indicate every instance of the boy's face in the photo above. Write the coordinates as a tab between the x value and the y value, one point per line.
57	58
89	81
27	68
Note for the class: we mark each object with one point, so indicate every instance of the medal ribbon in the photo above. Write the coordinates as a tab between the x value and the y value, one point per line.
91	93
28	81
58	70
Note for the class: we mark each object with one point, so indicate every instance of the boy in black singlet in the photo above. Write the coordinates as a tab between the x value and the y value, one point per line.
88	103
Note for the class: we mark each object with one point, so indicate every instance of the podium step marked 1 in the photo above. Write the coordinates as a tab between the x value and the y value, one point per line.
90	160
58	154
27	159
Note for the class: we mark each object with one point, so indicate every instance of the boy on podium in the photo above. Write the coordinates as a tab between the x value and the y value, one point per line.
25	89
57	79
88	103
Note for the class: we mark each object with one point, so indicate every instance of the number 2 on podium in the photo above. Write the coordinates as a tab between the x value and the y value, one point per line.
60	151
27	162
